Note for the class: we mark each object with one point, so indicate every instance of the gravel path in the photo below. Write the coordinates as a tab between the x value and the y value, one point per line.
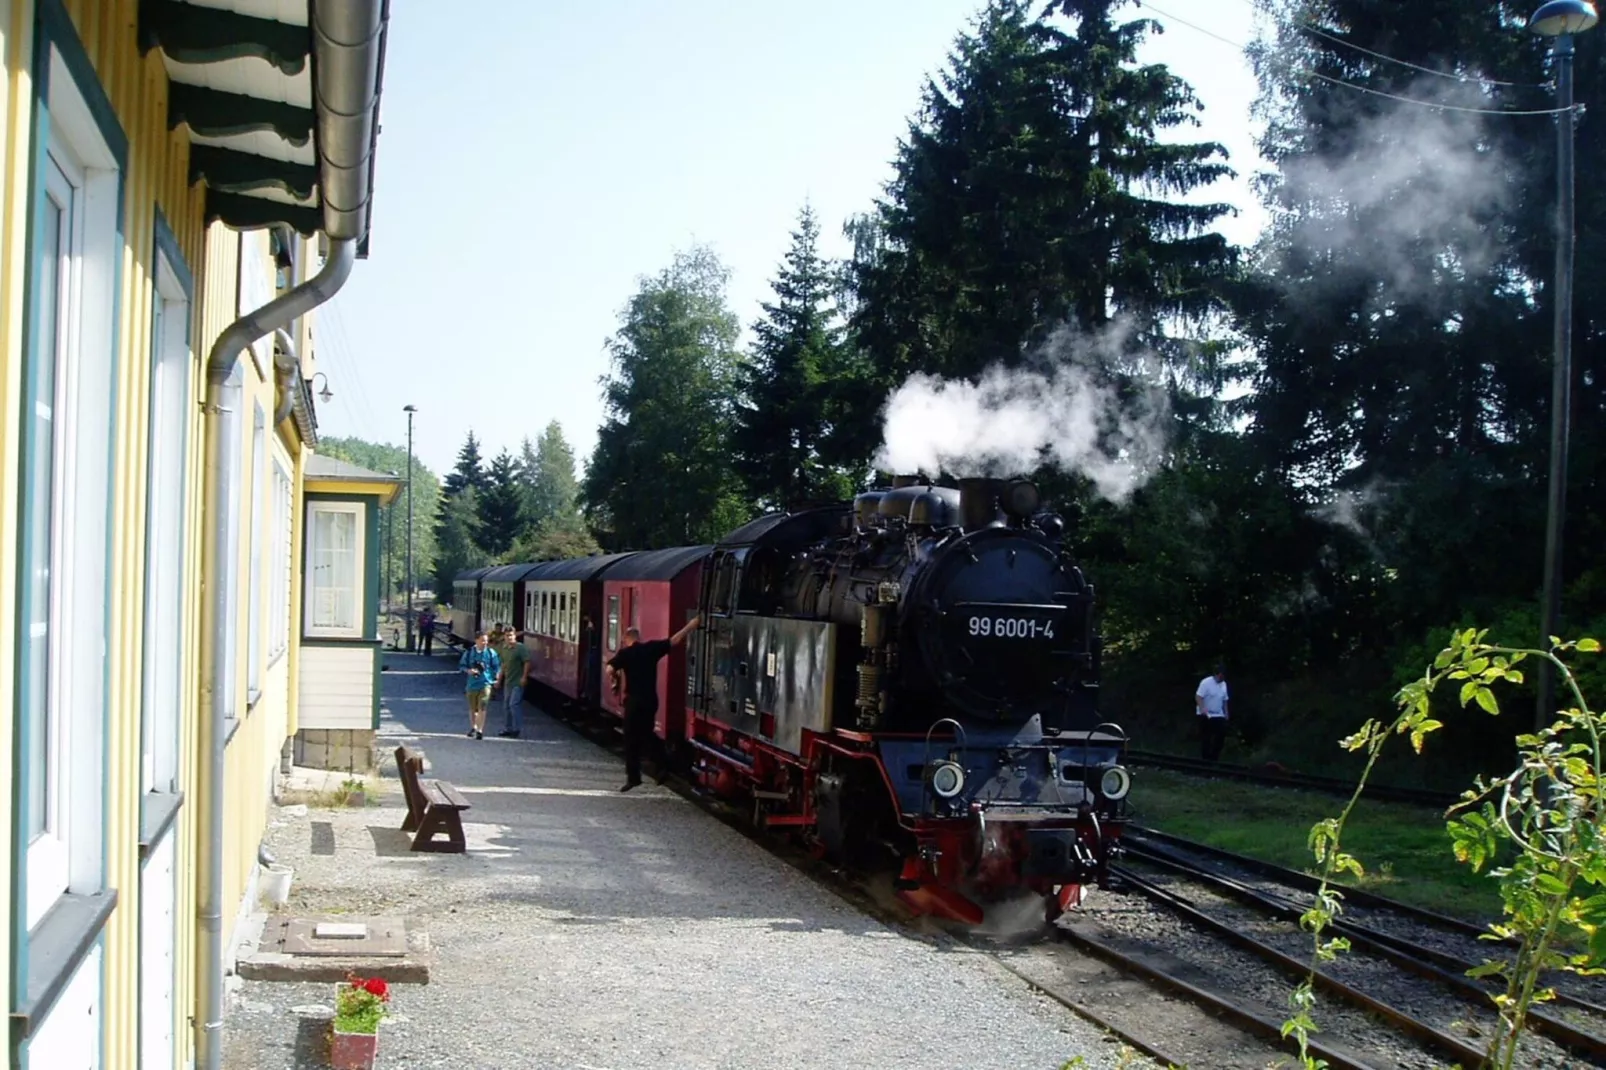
589	929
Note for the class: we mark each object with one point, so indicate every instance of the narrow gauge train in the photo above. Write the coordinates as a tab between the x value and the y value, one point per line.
911	677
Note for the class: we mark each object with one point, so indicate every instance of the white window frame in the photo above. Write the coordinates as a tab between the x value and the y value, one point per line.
283	570
359	511
167	504
67	855
257	480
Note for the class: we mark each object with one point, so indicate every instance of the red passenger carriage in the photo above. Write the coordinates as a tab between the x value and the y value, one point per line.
559	598
656	592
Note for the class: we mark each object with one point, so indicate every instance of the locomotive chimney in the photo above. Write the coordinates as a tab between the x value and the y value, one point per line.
978	502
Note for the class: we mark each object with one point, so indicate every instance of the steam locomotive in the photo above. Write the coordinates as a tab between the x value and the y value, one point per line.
910	678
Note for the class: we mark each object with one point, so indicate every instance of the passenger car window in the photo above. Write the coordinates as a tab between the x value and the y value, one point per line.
613	622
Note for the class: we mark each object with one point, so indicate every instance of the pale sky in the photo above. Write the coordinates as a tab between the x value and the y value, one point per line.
538	157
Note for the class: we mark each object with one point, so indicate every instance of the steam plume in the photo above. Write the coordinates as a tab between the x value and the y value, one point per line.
1066	411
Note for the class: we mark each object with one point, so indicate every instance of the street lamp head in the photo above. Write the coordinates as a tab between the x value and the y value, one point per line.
325	394
1558	18
409	408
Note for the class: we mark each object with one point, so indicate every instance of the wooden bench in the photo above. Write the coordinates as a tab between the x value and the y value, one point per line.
434	807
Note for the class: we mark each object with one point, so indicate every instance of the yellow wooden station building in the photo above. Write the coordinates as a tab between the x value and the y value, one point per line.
182	183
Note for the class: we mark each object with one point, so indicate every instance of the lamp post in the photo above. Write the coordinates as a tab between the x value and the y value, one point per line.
1559	20
409	410
390	552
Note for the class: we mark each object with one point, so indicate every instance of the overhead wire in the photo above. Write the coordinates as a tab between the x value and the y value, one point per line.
1335	39
1361	88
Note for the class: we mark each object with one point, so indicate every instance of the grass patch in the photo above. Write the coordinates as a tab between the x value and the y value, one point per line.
1405	849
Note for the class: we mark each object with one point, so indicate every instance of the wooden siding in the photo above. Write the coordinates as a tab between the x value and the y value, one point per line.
156	180
336	689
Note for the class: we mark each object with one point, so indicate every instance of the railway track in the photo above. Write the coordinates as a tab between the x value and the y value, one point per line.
1283	779
1425	990
1155	1002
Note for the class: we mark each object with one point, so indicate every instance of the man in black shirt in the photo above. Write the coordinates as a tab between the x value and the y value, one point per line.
635	667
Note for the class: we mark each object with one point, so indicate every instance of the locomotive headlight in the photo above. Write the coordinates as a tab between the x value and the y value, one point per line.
947	779
1115	783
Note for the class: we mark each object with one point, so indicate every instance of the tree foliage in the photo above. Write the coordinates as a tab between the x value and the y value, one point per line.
785	413
499	507
661	472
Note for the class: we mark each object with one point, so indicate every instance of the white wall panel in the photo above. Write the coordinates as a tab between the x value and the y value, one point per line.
337	687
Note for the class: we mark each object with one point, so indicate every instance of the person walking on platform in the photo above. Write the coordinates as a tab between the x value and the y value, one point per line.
1210	704
633	676
426	631
515	675
482	666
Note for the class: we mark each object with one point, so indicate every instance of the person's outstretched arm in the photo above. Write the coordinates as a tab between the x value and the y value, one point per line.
680	636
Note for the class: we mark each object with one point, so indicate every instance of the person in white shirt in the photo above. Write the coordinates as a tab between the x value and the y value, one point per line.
1210	703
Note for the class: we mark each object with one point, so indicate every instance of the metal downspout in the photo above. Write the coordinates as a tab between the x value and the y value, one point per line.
286	366
223	408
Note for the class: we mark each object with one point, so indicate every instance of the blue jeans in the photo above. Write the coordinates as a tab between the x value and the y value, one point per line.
514	695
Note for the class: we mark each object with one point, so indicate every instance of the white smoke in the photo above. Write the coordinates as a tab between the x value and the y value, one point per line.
1064	410
1410	197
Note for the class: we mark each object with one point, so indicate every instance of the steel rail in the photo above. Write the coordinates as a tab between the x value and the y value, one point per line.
1299	968
1307	781
1425	962
1308	883
1247	1020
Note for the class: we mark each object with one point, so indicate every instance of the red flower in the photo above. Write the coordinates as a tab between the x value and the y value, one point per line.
377	987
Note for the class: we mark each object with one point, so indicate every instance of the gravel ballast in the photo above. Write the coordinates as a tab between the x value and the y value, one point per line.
590	929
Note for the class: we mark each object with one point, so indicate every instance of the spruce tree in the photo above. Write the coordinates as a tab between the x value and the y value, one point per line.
1034	191
500	507
783	415
547	480
469	470
455	546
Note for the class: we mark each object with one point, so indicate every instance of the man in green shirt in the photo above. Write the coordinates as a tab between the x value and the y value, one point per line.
515	674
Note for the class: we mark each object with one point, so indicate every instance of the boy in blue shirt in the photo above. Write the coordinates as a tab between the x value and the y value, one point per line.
482	666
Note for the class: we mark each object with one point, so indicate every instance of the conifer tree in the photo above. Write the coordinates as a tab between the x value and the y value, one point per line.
455	545
1033	191
469	470
783	417
547	480
500	507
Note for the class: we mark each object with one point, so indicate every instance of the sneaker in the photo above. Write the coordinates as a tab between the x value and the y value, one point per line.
479	735
506	732
631	784
511	735
471	733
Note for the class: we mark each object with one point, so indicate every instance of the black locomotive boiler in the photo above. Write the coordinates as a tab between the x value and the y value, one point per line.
913	675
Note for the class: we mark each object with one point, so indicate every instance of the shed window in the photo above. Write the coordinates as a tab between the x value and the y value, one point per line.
334	572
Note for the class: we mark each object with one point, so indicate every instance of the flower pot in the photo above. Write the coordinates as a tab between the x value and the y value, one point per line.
353	1051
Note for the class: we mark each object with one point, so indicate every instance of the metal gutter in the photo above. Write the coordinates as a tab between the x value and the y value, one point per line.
348	52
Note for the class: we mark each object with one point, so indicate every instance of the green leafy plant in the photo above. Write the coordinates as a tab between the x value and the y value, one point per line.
1537	831
360	1005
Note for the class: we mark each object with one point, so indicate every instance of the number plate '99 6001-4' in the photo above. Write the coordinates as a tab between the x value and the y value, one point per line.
1010	623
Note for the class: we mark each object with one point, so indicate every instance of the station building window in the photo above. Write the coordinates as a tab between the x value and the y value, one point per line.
334	570
65	492
164	532
257	480
282	552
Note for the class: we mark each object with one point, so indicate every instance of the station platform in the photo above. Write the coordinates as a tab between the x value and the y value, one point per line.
585	928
